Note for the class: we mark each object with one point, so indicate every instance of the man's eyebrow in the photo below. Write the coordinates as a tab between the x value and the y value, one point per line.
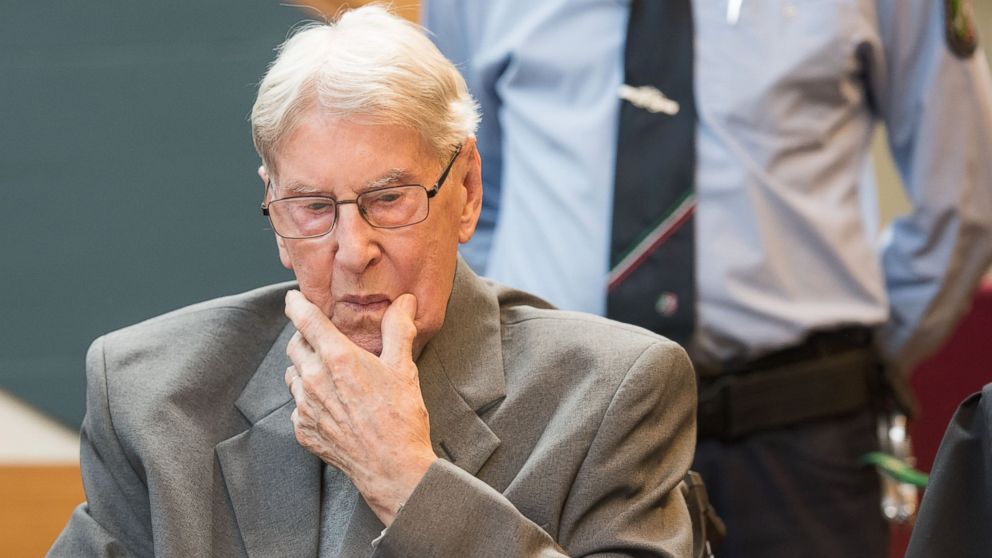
301	189
394	177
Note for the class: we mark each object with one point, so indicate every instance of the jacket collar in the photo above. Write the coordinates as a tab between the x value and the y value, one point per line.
275	484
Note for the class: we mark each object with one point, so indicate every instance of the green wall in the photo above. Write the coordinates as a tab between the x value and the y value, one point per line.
127	174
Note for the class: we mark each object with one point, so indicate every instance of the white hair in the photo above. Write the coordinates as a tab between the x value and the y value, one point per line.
369	66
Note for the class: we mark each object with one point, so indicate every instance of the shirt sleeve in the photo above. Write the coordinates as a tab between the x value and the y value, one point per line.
937	108
456	27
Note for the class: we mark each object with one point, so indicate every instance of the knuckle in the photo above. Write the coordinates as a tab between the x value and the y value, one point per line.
340	360
294	343
305	370
411	374
408	329
294	388
302	414
305	321
310	383
302	437
329	402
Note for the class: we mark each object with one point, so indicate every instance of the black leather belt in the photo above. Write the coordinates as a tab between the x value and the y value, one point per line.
831	373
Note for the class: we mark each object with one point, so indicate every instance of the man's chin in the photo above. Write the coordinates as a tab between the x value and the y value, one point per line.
367	336
369	342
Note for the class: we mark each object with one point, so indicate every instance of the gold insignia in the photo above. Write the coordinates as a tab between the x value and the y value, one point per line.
959	26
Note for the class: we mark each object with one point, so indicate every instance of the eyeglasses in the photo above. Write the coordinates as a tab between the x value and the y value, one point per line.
390	207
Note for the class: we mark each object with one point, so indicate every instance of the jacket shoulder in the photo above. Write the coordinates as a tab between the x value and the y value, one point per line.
261	303
227	335
578	349
600	334
152	376
518	307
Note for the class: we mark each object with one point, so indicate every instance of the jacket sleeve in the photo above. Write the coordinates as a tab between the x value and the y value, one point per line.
937	108
115	520
624	501
956	509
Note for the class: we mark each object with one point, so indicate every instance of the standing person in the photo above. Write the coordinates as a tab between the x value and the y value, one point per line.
796	304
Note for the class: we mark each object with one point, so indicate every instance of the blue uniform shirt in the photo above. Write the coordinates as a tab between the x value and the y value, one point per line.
788	94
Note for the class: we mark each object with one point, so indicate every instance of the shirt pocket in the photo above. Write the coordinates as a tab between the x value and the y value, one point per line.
786	68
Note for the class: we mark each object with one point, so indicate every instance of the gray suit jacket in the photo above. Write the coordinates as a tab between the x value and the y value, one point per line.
559	432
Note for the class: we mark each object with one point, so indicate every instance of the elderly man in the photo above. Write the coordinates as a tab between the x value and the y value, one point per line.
406	408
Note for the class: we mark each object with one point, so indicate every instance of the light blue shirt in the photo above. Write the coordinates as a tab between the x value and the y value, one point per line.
788	96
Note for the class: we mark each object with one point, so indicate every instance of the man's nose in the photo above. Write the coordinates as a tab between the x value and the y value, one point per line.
356	246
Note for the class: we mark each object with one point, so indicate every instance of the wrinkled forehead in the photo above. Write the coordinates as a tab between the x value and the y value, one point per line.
354	154
382	134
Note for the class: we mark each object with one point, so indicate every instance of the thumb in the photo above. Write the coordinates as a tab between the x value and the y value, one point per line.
399	331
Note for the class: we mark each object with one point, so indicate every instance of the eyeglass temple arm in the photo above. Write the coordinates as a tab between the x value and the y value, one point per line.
265	206
440	181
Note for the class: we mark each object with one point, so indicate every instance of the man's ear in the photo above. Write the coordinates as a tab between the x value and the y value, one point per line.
287	262
472	183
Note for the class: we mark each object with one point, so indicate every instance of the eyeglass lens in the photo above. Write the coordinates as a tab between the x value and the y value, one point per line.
393	207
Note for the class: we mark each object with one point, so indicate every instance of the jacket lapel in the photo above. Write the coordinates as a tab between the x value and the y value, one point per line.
461	373
274	483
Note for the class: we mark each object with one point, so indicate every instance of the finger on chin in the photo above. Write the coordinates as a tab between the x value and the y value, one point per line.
316	332
399	329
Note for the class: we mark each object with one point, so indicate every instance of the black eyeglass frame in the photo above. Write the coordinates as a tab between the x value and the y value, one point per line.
337	203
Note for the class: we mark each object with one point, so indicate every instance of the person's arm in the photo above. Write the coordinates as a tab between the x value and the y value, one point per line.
937	107
456	27
624	501
115	520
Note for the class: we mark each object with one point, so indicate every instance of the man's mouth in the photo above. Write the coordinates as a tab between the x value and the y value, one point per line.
365	303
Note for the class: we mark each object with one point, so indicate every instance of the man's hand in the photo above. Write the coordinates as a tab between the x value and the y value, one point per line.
361	413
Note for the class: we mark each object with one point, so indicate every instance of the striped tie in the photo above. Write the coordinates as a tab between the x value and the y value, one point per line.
652	277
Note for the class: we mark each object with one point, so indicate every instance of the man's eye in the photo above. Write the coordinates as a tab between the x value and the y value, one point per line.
387	197
319	206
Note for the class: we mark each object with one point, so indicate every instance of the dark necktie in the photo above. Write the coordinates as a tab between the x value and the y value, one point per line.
652	277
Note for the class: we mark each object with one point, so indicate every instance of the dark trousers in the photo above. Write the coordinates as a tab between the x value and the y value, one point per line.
798	491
